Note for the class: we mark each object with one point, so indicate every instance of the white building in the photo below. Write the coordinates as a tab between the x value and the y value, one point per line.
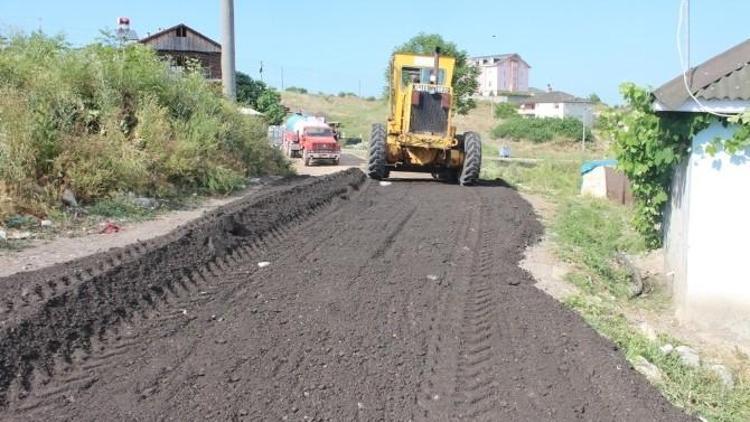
558	104
501	73
706	226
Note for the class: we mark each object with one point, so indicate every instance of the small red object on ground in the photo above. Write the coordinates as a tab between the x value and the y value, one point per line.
110	228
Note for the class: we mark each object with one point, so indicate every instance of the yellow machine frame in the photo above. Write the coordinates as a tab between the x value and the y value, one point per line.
423	149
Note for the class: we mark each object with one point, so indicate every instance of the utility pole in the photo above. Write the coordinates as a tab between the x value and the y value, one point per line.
282	78
227	49
688	35
583	124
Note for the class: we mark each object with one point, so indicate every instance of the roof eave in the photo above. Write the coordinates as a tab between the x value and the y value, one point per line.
705	106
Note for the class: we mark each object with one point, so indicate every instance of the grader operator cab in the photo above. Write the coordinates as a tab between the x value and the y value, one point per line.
419	135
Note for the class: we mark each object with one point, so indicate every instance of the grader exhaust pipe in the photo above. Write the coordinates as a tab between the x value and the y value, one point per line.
436	70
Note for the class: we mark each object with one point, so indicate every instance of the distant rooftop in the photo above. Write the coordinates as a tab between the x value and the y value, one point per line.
497	58
494	56
555	97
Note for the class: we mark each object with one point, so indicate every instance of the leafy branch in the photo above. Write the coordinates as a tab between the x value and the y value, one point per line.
740	139
648	147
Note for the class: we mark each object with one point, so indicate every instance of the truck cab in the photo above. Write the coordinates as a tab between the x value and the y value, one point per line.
318	143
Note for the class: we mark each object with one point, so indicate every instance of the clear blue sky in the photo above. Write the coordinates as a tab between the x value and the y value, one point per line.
579	46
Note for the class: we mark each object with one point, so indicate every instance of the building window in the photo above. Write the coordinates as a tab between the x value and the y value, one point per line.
182	32
557	106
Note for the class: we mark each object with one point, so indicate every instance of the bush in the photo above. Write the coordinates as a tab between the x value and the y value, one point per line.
506	111
541	129
104	119
261	97
297	90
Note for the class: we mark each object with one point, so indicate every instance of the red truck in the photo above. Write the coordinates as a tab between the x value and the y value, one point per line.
319	143
311	138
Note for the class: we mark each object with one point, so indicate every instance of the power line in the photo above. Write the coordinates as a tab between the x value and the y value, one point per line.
685	10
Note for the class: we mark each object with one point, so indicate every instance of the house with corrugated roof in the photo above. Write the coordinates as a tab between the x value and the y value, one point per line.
706	225
183	45
558	104
501	74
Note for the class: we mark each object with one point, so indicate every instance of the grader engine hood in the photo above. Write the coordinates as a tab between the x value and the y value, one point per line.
430	109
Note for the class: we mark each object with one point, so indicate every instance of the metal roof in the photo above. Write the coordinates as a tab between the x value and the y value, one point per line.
555	97
723	77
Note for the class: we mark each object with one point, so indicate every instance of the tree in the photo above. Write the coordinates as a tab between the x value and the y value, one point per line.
261	97
506	111
595	98
465	82
269	103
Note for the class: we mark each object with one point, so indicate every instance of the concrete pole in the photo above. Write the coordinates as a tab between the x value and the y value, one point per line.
227	49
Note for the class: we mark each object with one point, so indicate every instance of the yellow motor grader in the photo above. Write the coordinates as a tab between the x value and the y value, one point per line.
419	135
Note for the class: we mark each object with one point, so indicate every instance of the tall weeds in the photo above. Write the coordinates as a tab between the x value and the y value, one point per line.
105	119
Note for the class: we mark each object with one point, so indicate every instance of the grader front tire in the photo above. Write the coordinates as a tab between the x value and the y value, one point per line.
472	159
376	168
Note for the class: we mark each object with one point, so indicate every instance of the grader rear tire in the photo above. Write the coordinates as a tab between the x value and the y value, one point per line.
472	159
376	163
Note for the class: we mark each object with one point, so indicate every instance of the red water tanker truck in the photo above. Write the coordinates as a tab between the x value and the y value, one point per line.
311	139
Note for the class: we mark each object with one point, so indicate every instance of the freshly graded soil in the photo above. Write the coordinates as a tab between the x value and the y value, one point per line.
400	302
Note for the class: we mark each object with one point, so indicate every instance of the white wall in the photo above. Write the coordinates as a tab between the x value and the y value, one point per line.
549	110
675	232
707	236
488	76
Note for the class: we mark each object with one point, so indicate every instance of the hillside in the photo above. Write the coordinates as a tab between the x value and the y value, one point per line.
357	114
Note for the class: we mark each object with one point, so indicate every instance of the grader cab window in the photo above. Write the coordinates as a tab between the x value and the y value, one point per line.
419	75
410	75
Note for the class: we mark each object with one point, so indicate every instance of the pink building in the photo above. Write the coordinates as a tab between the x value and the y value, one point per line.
502	73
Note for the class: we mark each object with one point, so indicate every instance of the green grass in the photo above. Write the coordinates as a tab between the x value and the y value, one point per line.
120	208
697	390
590	232
552	179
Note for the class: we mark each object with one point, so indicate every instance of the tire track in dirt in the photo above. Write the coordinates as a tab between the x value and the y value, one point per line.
402	302
33	343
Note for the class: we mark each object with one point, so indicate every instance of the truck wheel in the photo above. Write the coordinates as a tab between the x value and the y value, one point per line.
376	162
472	159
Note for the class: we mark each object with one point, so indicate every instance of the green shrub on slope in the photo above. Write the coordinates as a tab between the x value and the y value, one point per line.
105	119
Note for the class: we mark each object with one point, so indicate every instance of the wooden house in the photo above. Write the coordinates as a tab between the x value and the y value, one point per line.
182	44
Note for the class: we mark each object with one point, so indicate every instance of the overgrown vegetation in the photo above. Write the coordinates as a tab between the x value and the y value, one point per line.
260	97
506	111
590	232
648	147
541	129
105	119
465	82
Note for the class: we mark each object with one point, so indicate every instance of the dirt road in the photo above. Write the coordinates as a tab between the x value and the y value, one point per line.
400	302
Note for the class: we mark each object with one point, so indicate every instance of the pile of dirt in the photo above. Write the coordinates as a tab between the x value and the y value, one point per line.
54	311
